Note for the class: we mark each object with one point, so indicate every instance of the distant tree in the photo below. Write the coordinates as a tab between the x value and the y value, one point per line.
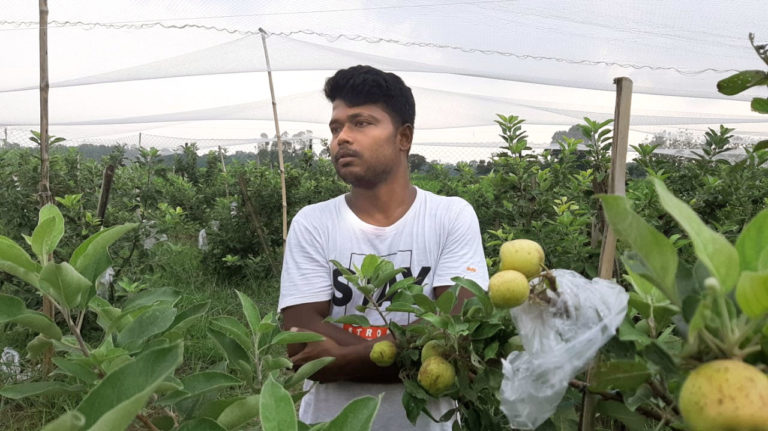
417	162
573	132
185	163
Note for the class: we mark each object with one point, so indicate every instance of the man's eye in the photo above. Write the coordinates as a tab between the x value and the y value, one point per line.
361	123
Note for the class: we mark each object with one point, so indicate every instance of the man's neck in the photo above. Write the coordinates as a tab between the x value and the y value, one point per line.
383	205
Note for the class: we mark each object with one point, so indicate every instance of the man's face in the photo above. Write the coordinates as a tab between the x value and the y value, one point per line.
366	146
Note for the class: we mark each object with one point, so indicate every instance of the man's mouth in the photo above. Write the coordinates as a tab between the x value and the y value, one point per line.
344	155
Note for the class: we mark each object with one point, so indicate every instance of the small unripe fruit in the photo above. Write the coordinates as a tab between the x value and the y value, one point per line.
432	348
508	289
725	395
383	353
522	255
436	375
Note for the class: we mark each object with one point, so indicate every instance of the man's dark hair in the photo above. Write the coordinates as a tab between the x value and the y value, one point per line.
363	85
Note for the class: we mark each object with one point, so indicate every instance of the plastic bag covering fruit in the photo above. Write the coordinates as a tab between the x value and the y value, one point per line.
559	340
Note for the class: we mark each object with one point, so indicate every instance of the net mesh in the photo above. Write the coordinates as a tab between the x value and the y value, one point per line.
173	69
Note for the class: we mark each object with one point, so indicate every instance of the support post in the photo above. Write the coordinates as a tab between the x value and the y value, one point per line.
279	139
44	188
224	169
616	185
106	186
45	164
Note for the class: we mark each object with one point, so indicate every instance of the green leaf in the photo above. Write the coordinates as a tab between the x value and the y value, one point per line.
200	383
369	265
656	251
632	420
48	233
186	318
622	375
762	145
233	351
76	369
151	296
741	81
479	292
24	390
288	337
643	395
760	105
753	241
69	421
91	258
151	322
276	409
251	311
12	310
201	424
120	396
351	319
357	415
306	370
752	293
17	262
239	412
656	354
64	284
38	346
233	328
446	301
719	256
425	303
627	332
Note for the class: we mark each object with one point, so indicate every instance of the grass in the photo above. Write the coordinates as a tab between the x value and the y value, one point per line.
167	265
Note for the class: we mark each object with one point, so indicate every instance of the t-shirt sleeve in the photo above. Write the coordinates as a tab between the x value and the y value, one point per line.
463	254
306	272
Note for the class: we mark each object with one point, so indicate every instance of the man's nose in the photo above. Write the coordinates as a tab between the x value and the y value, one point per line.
344	136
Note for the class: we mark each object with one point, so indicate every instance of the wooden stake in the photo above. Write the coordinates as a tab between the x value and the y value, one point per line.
45	164
616	185
106	186
279	140
44	187
618	176
224	169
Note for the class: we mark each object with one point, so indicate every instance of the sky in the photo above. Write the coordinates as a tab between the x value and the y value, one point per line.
551	62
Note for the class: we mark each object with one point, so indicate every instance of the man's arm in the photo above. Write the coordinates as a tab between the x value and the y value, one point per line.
351	352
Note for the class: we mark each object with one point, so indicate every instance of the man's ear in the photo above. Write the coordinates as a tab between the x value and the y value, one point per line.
405	137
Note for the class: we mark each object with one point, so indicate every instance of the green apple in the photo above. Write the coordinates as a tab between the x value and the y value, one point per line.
383	353
508	289
725	395
436	375
522	255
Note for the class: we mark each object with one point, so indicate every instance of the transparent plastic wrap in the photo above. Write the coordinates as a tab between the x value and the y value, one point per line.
559	338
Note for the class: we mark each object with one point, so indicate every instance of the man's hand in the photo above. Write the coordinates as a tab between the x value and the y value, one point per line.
349	359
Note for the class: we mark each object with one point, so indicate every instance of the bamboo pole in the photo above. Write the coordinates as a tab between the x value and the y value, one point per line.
279	140
106	187
224	169
44	186
616	185
45	197
618	176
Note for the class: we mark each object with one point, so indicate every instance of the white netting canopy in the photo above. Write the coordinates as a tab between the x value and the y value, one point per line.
197	68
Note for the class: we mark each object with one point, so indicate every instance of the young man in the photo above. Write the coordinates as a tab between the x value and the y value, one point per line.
433	237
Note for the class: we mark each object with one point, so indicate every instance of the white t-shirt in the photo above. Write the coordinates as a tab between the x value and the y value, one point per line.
438	238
